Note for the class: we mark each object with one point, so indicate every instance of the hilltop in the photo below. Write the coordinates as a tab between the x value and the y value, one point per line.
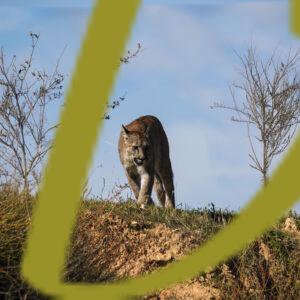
119	240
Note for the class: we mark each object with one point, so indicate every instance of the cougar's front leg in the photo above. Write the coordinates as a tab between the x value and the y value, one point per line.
146	189
134	184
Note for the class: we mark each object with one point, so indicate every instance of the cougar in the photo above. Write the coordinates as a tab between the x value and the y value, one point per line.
144	154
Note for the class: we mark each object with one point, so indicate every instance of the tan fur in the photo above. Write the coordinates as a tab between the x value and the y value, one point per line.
144	153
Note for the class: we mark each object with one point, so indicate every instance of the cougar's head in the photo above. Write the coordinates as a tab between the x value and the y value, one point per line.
137	146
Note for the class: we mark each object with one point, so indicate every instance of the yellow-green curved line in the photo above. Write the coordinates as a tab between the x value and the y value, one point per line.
74	142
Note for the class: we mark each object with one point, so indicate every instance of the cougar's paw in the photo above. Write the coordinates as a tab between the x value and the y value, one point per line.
144	201
169	204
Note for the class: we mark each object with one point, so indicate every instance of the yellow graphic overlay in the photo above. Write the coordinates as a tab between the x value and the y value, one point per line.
55	213
295	16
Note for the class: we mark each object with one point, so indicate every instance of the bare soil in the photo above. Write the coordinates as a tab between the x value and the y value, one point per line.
119	249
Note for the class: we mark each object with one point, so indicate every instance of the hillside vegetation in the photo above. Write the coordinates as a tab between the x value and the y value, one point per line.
119	240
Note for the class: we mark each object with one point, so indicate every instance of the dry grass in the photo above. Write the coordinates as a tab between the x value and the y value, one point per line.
15	210
118	240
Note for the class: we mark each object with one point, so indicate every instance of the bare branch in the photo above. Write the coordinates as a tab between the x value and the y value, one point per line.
118	101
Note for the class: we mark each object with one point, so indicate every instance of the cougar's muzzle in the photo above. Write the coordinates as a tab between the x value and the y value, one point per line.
139	161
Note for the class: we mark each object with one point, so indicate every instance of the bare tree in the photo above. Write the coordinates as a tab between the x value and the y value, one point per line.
24	130
25	134
269	102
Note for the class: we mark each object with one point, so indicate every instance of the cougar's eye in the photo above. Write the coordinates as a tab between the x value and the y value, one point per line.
135	148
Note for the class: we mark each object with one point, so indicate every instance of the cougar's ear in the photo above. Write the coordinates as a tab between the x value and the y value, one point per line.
125	130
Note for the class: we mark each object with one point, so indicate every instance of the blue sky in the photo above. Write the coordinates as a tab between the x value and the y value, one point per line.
187	63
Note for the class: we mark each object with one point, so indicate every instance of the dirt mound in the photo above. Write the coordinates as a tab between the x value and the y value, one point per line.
124	248
105	247
116	242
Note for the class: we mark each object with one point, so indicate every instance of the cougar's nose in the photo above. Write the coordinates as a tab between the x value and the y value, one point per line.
139	161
